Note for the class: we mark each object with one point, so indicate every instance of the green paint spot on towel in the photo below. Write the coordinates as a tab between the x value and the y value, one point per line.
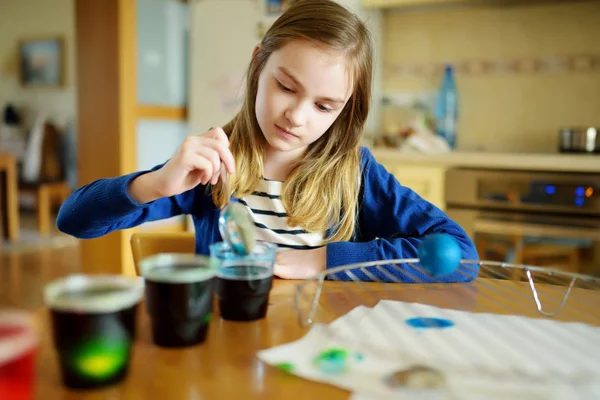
286	367
335	361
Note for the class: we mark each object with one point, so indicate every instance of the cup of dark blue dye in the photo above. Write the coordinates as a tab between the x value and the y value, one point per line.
243	282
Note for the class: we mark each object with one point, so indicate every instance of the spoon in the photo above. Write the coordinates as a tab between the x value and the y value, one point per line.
235	224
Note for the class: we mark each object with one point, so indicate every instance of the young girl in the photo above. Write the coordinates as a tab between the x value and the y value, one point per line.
294	157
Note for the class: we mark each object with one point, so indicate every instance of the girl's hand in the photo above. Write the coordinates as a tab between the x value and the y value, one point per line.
300	264
196	161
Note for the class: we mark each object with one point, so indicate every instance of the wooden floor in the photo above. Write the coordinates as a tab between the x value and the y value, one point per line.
25	269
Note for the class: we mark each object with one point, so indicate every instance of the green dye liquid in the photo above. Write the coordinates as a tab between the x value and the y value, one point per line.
99	358
286	367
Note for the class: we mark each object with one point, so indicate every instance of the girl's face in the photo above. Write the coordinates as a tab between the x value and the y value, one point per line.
301	91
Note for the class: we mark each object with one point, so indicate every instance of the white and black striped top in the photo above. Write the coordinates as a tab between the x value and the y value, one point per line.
270	218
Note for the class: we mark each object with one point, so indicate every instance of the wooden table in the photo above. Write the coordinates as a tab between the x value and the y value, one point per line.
225	367
9	192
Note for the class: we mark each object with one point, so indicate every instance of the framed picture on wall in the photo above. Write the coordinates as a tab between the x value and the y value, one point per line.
42	62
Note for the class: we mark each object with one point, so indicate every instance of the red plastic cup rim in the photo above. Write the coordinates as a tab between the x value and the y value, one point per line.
21	336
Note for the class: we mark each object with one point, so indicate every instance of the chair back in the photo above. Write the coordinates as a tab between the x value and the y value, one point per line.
145	244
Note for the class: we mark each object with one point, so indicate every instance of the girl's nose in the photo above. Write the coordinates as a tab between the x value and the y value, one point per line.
296	115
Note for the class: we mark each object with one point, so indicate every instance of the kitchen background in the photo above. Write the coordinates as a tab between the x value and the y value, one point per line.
523	70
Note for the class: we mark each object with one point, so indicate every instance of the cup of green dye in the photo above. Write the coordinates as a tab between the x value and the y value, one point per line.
93	320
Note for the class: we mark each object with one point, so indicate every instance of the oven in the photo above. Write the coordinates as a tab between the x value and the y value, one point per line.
546	219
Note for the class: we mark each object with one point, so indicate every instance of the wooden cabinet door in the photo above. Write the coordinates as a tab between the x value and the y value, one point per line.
427	181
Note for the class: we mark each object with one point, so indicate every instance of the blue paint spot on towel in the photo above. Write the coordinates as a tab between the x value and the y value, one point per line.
432	323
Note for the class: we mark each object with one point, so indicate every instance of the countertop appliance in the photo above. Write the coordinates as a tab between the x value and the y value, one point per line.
580	140
547	219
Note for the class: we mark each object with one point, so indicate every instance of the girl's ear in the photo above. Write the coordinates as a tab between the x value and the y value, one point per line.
256	48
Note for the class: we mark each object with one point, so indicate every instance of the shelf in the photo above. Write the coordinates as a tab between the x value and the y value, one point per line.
407	3
398	4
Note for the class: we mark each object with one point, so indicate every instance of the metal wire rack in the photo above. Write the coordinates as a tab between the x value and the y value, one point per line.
508	290
549	289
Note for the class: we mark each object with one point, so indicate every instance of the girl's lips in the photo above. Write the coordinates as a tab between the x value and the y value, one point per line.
285	133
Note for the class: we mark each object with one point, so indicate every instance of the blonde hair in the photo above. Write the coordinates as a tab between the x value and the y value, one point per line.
322	190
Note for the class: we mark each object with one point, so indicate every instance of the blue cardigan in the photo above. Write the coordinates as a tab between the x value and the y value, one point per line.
392	222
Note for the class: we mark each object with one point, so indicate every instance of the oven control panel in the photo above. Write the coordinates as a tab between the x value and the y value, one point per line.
540	192
524	190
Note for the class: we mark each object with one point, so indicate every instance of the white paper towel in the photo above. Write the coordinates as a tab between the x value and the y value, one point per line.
481	356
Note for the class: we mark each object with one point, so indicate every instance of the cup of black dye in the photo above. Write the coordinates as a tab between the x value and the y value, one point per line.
179	298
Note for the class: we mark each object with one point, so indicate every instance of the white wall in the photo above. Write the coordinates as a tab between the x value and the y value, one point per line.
223	34
157	140
23	19
374	20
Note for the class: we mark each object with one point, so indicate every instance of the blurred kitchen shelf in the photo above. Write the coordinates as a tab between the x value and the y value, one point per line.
390	4
551	162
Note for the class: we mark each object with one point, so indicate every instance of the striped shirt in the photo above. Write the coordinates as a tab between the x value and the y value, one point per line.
270	218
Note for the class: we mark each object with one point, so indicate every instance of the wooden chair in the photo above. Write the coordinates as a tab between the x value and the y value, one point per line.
47	196
145	244
50	189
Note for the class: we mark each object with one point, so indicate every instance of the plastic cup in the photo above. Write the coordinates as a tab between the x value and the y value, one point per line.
18	349
179	298
93	327
243	282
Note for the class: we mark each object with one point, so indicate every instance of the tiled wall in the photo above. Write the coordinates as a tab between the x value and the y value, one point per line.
522	71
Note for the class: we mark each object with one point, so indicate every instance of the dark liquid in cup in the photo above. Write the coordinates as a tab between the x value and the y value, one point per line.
243	292
94	348
179	312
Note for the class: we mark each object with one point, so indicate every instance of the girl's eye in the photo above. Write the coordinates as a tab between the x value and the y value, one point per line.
322	108
284	88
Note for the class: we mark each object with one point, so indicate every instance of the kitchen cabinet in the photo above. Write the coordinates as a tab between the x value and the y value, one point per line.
427	180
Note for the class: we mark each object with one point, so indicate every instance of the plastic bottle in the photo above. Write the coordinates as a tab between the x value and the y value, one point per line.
446	108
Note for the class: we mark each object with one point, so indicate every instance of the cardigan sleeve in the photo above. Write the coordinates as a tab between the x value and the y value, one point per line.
392	222
104	206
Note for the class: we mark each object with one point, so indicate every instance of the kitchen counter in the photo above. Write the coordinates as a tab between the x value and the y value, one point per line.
513	161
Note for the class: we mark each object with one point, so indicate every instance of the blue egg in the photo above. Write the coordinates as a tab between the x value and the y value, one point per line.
439	254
